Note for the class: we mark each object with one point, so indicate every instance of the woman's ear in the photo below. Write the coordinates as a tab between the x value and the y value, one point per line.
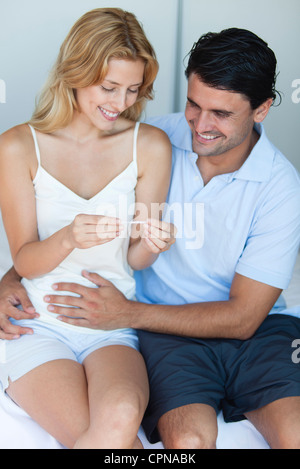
261	112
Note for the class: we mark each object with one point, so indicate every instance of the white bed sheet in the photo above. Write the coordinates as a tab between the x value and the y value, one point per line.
19	431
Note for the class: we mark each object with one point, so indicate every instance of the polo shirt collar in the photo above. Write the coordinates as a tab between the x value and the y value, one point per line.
257	167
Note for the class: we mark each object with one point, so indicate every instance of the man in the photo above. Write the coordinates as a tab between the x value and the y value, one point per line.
214	330
12	294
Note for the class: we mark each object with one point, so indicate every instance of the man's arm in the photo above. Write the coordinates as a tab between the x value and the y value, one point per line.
106	308
13	294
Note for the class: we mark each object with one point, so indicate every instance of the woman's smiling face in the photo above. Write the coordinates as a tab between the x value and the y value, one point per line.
102	104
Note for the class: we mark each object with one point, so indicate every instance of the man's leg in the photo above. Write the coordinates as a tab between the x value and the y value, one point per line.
262	377
191	426
279	423
186	389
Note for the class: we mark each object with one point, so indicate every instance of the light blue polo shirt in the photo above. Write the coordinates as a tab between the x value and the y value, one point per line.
245	222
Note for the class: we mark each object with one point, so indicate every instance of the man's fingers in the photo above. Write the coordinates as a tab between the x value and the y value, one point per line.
5	336
65	311
82	290
8	331
70	301
70	287
96	279
84	293
16	313
26	304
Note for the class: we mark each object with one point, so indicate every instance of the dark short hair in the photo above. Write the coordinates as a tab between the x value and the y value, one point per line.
236	60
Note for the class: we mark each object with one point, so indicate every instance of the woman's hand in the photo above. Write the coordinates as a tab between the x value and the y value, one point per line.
158	236
87	231
148	240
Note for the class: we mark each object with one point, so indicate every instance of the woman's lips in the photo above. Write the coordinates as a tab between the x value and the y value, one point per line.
109	115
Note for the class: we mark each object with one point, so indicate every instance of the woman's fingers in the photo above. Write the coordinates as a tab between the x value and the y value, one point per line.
159	235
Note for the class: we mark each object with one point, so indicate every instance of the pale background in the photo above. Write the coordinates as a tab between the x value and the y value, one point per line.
31	32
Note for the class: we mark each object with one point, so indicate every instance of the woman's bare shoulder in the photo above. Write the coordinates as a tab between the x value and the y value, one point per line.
17	140
154	142
154	149
154	134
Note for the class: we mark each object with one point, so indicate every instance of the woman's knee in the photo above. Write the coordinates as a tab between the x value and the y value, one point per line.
125	408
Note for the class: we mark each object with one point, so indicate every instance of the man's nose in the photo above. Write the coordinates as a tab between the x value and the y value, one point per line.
203	122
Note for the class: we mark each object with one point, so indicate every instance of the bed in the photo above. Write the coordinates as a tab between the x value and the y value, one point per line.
19	431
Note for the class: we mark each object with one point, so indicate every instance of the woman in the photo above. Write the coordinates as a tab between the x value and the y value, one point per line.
69	181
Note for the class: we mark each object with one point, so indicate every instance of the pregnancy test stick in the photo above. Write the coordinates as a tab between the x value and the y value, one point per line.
136	222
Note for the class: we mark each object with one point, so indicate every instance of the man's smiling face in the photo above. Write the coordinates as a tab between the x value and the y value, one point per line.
220	120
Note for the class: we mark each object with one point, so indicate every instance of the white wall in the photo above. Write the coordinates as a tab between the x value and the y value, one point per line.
31	32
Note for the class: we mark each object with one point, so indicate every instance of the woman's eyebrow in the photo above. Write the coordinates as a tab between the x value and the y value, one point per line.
118	84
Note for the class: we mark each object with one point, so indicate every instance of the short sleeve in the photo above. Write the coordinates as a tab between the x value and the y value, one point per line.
272	246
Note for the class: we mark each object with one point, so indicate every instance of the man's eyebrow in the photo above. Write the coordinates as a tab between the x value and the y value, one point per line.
217	111
192	102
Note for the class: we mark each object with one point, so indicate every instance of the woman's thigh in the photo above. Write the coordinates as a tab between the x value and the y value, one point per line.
55	395
118	391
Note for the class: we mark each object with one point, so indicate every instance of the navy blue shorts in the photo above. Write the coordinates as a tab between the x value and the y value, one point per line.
233	375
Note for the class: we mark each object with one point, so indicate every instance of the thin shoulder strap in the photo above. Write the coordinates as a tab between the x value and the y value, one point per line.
135	135
37	150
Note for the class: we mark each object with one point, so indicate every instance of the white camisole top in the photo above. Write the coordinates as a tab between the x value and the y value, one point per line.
57	206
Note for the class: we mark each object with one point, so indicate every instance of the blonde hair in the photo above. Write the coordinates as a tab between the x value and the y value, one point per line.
98	36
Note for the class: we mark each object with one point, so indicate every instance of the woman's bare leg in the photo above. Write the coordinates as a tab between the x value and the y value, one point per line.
118	396
55	396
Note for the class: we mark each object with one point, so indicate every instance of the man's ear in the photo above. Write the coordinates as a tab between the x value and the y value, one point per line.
261	112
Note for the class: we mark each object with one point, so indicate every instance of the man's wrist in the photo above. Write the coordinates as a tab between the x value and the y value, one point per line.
10	276
136	312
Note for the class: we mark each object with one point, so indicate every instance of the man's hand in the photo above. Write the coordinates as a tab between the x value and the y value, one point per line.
12	295
104	307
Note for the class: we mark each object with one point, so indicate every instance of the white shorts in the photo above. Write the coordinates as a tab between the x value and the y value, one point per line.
49	342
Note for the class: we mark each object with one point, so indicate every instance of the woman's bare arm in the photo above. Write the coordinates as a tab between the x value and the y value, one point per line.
33	257
154	163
